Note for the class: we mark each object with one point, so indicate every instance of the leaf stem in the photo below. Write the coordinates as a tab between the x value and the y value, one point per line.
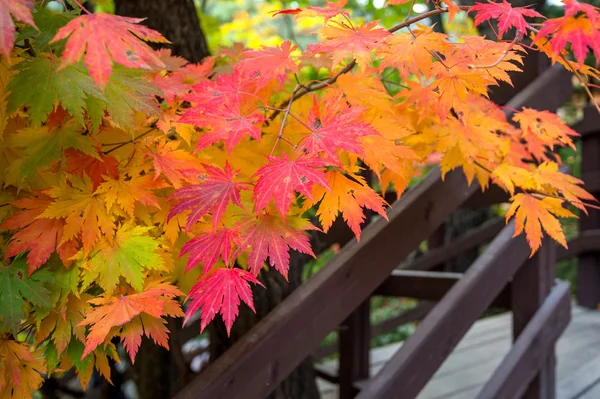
82	7
123	143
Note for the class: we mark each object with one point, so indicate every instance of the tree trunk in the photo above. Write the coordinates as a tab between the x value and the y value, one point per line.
300	384
177	20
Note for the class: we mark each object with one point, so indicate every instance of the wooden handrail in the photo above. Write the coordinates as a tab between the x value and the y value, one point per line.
407	372
520	365
472	239
273	347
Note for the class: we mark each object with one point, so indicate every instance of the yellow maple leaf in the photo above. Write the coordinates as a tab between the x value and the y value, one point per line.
21	370
84	210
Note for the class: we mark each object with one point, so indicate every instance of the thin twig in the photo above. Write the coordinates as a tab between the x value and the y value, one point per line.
285	115
121	144
82	7
499	60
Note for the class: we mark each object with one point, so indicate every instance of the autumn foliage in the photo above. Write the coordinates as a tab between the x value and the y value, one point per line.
124	167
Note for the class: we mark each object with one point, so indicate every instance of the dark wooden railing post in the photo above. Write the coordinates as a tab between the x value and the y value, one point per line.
354	340
530	286
588	274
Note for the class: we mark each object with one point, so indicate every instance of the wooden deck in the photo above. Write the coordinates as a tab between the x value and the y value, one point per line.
481	350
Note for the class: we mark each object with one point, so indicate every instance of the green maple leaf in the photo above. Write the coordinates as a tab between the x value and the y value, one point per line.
16	289
127	92
48	23
39	84
42	146
127	255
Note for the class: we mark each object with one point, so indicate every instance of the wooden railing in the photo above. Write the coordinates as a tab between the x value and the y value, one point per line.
339	295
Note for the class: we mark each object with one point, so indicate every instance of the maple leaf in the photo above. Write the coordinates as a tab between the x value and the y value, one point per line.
129	190
209	246
269	63
230	122
216	190
281	177
22	370
532	214
269	236
343	41
412	53
21	11
173	162
335	128
40	236
128	254
16	288
348	195
580	31
45	144
106	38
144	309
333	9
84	210
62	323
507	16
220	292
46	84
95	167
546	128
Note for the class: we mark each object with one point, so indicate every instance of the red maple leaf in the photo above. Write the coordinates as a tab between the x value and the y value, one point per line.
40	236
173	162
580	31
281	177
335	128
269	63
210	96
229	123
21	11
268	236
208	246
221	292
212	195
333	9
507	15
107	38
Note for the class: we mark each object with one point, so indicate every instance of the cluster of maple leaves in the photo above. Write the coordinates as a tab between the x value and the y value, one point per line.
116	159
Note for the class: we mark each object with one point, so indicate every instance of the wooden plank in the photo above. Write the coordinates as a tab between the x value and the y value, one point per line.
416	314
354	347
273	347
592	392
530	351
529	288
578	383
586	243
408	371
472	239
588	270
417	284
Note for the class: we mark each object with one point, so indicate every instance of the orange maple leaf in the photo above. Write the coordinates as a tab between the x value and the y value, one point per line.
106	38
174	163
112	313
532	214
